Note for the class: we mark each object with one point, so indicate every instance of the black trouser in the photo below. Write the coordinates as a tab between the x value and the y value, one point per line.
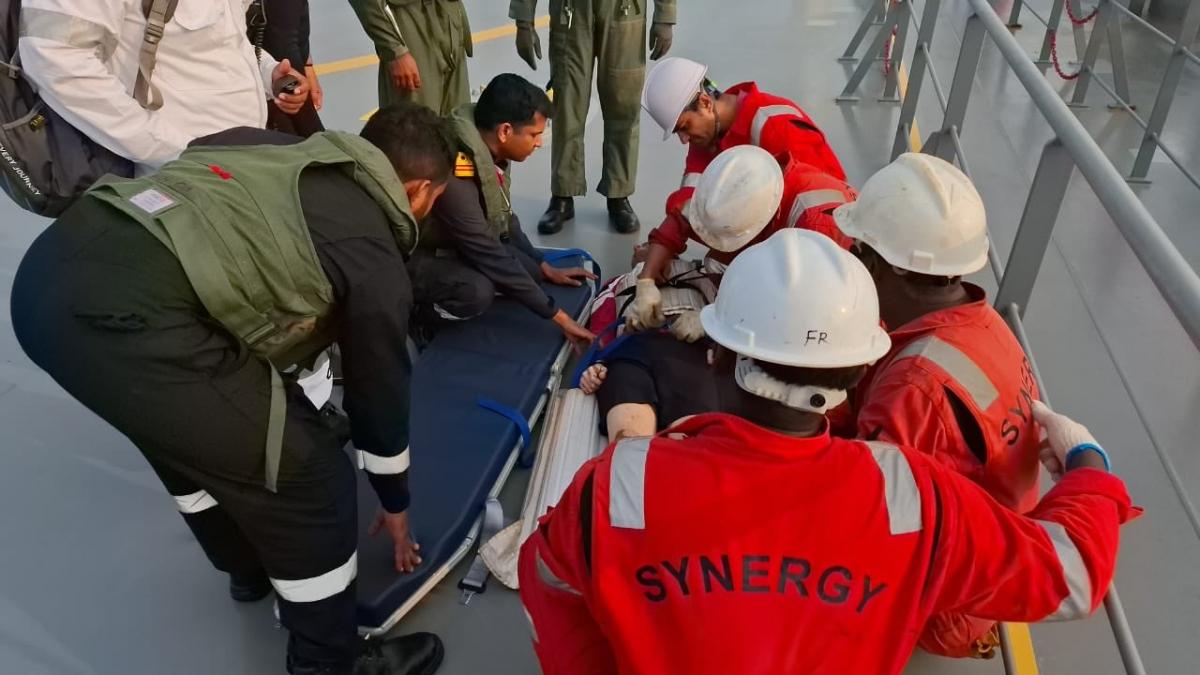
108	312
657	369
453	288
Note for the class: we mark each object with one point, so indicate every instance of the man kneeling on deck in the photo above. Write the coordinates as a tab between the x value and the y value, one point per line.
956	383
758	543
477	247
170	304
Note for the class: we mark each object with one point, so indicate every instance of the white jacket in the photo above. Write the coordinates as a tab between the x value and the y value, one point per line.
83	56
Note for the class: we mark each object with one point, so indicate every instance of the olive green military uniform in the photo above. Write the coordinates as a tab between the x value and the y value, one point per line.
436	33
583	33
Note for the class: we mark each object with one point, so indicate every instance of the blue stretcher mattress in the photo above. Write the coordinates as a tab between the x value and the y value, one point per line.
459	450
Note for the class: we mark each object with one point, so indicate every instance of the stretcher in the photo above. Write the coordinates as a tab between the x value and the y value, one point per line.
476	390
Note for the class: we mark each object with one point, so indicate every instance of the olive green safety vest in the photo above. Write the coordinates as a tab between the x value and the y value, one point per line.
233	218
496	201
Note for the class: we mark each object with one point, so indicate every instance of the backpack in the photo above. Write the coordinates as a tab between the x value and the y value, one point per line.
45	163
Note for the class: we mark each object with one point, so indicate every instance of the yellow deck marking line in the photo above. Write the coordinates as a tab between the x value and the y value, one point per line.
369	60
1020	645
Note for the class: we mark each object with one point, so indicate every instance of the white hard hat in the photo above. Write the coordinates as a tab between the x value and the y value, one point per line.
921	214
738	194
670	87
798	299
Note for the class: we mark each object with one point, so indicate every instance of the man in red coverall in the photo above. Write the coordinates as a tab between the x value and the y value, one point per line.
956	384
712	216
758	543
683	102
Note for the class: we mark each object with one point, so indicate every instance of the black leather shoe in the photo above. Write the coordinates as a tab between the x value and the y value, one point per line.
561	210
249	587
415	654
622	217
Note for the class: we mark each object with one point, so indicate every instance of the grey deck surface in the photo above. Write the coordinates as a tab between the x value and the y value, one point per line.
99	575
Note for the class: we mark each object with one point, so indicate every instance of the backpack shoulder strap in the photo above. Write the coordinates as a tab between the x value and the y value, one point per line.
158	13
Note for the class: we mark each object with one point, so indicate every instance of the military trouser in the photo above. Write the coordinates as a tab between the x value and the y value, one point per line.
452	288
612	34
438	36
108	312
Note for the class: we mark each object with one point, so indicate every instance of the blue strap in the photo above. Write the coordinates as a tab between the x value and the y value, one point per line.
594	353
513	415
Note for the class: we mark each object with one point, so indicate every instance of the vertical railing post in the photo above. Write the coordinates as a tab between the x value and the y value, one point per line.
873	15
960	89
1056	11
1014	16
1116	53
1166	92
920	65
885	33
1090	55
1037	223
1077	30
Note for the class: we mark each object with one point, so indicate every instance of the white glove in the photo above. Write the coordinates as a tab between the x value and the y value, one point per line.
687	326
1062	435
592	378
646	311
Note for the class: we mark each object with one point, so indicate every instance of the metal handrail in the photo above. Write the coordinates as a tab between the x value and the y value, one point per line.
1166	266
1072	148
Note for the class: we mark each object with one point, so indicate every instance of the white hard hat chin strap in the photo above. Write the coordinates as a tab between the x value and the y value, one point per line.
754	380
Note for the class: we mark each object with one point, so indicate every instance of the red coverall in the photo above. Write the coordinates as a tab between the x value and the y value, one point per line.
809	197
774	124
958	387
721	547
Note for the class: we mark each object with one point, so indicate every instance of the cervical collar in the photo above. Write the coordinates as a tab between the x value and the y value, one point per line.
755	380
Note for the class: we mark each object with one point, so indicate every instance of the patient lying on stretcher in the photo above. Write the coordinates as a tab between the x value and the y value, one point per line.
645	381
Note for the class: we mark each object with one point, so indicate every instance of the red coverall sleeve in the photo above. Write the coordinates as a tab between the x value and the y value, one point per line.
782	134
1055	563
675	231
553	578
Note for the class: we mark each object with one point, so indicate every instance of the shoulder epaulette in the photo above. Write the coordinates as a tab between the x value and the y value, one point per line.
463	166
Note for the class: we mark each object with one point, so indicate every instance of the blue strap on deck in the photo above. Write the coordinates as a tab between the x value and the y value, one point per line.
513	415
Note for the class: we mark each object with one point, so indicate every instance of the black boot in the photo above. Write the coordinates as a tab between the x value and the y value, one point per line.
561	210
249	587
415	654
622	217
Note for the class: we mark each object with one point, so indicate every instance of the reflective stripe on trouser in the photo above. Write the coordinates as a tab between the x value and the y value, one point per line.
219	537
601	38
436	34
